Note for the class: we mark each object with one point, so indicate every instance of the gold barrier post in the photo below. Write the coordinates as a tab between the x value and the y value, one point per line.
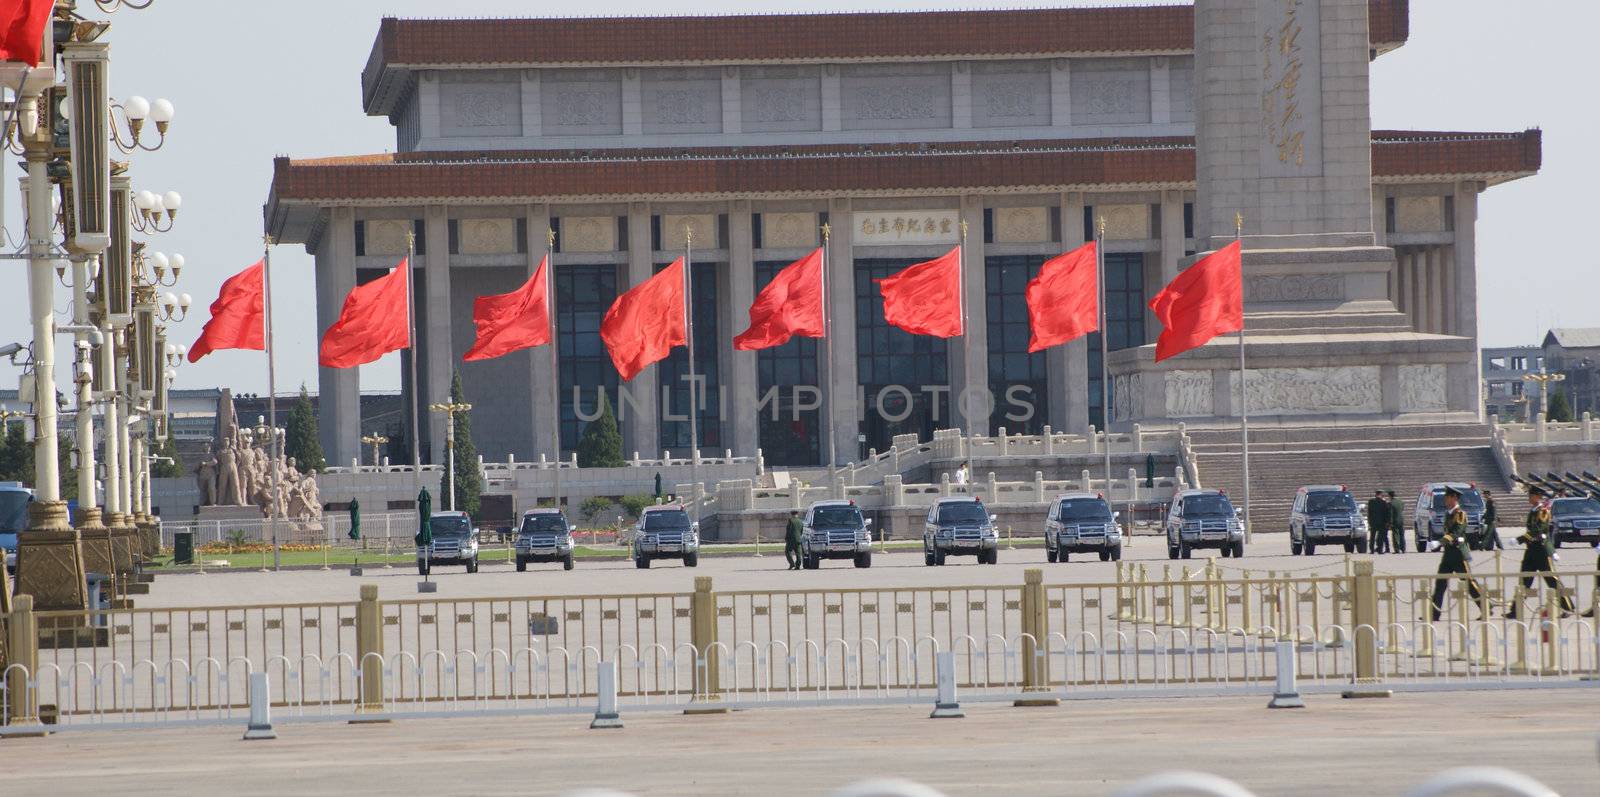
1458	639
22	651
1145	597
1166	583
369	653
1188	597
703	635
1364	620
1549	633
1035	641
5	597
1244	606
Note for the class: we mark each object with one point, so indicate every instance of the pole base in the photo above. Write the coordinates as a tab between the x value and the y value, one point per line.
427	586
1036	702
943	711
604	721
1291	700
355	571
257	732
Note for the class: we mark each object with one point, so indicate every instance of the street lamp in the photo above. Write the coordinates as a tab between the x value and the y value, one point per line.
374	440
1544	378
134	113
450	409
152	209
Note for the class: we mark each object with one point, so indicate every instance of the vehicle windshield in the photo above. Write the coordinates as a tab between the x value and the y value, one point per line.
1566	507
1085	509
1330	502
964	512
1201	505
1470	500
546	524
666	520
13	511
447	525
836	517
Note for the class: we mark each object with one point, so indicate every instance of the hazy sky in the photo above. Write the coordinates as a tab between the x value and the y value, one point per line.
272	78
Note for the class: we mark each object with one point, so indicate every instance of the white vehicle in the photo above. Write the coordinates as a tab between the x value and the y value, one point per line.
835	530
1082	523
960	527
455	542
665	532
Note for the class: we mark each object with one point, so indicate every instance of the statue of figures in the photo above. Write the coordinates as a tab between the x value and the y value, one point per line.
308	486
228	492
206	476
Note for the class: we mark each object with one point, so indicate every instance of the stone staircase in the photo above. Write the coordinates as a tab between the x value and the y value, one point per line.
1366	458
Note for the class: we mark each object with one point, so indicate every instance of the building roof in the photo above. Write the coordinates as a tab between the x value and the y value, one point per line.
404	45
727	172
1574	337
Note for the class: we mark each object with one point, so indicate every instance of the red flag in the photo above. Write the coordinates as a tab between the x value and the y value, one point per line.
1063	301
925	299
1205	301
645	323
790	305
373	323
511	321
22	29
237	316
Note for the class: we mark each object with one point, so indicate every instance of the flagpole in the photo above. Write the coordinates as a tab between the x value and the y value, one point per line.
1105	347
1244	401
827	350
688	328
971	423
272	399
411	326
555	362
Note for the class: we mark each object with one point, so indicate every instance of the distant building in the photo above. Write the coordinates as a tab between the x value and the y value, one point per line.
1575	354
1505	392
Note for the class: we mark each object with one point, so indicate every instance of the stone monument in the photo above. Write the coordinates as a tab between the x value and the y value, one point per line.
236	478
1283	139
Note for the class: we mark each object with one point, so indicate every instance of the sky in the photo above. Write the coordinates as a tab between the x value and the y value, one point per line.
283	78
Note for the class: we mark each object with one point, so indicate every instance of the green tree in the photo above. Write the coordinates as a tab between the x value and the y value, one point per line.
16	455
301	439
172	466
1560	410
601	443
468	480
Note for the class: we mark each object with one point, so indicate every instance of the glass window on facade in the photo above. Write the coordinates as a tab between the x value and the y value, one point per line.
904	378
1018	381
1125	319
673	371
788	436
583	293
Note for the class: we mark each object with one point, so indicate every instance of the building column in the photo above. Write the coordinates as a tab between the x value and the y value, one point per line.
438	350
740	380
1160	92
546	429
640	421
969	354
1419	291
842	400
1068	364
1465	259
338	389
1436	289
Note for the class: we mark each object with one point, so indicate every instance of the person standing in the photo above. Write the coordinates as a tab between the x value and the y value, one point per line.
1491	537
1539	541
1456	552
791	539
1377	523
1397	523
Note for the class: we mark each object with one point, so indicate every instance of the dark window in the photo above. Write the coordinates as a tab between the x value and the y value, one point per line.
555	227
420	232
1188	220
894	366
674	370
666	520
1088	222
1085	509
522	236
788	436
1125	317
454	229
361	237
583	293
1207	505
988	225
1450	214
1013	372
1388	214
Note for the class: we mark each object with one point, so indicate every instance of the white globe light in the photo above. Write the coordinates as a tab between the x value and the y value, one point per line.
171	350
161	112
160	260
171	200
170	299
177	262
184	300
182	349
144	200
137	107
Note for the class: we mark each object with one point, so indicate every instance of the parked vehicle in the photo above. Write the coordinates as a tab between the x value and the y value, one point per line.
960	527
665	532
1326	514
1082	523
455	542
544	536
835	530
14	500
1428	516
1203	519
1577	520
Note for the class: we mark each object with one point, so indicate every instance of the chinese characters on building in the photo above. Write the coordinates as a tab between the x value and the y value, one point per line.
887	228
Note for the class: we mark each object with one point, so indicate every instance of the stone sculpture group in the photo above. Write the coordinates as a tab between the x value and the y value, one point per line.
240	472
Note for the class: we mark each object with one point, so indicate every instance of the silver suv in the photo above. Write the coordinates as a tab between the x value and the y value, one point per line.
1326	514
835	530
665	532
960	527
455	542
1427	518
1082	523
1203	519
544	536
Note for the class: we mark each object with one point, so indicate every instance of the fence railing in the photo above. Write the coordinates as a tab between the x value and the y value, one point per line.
1201	631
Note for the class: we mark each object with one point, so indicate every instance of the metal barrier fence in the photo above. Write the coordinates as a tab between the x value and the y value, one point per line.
1201	632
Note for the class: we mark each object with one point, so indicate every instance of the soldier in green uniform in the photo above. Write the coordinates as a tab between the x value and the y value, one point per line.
1397	523
1377	523
1456	552
791	540
1491	538
1539	541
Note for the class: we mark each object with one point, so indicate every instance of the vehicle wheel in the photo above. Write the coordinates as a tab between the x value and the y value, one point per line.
938	557
927	558
1361	546
1349	547
691	560
1557	540
641	563
1183	550
810	562
1311	548
1422	545
567	563
1116	554
864	560
1062	556
1238	550
994	556
1105	556
472	566
522	565
1172	553
1227	550
1295	548
1050	555
422	568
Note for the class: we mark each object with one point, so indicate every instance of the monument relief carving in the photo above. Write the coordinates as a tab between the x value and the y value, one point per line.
1294	288
1423	388
581	108
487	236
487	106
896	102
704	226
386	236
1126	222
588	234
1189	394
1021	225
1010	100
1312	391
1419	214
779	104
681	107
788	230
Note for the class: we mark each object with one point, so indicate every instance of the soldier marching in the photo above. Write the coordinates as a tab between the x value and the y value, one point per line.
1539	543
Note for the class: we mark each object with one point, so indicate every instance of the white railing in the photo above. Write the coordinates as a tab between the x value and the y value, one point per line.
544	463
333	527
740	494
1584	430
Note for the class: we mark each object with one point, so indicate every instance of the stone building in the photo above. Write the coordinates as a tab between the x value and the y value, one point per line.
1505	393
1575	354
896	130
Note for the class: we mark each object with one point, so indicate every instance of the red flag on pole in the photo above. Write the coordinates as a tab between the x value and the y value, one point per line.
645	323
790	305
237	316
925	299
1205	301
511	321
22	29
373	322
1063	301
